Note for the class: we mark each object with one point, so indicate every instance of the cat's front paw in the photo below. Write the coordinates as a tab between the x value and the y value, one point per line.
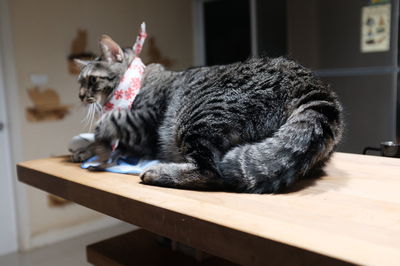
79	147
81	155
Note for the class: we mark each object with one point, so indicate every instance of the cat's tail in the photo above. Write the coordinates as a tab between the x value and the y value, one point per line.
305	142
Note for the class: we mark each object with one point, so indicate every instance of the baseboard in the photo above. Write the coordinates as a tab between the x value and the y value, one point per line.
55	236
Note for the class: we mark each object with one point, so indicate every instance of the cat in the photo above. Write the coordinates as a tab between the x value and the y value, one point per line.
255	126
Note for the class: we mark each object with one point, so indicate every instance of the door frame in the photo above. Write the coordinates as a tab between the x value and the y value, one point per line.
12	129
199	36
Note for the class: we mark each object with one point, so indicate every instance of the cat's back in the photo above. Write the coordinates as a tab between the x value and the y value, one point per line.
272	77
241	102
249	90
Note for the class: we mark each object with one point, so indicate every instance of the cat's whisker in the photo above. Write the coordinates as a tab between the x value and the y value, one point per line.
99	109
85	119
94	111
93	116
90	115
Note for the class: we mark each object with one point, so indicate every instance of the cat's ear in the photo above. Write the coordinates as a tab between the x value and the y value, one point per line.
110	50
81	63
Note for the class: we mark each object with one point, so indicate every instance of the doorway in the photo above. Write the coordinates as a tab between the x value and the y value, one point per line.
227	31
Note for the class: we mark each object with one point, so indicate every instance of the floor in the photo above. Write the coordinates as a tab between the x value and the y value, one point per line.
67	253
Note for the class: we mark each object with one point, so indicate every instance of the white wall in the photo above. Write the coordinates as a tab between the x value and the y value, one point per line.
8	229
10	97
42	34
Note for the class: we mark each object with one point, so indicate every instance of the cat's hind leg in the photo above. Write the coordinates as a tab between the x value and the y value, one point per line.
180	175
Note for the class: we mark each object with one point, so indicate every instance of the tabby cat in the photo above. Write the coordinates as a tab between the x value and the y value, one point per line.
255	126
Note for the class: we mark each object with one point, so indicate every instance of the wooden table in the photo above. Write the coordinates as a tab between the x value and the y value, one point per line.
351	214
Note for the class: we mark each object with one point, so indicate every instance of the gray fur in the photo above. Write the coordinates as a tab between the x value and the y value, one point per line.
255	126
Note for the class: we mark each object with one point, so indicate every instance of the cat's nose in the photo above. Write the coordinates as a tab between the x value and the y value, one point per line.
90	100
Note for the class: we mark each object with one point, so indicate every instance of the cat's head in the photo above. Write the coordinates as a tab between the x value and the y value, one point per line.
98	78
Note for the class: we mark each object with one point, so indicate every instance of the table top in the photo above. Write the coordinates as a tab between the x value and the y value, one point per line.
352	213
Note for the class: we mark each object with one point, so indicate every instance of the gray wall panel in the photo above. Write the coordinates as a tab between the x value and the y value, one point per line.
326	34
340	31
303	32
369	107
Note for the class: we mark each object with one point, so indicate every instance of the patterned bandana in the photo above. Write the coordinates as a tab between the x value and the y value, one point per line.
130	83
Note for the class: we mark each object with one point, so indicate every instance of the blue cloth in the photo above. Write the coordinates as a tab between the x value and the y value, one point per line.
124	165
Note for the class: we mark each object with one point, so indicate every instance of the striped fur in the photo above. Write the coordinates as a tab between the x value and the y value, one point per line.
256	126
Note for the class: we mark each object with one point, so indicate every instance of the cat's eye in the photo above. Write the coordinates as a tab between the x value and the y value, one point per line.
109	78
92	80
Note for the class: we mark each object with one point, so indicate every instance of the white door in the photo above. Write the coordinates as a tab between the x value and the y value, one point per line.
8	232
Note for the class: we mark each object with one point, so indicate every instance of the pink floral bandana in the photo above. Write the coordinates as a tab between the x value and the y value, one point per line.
130	83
